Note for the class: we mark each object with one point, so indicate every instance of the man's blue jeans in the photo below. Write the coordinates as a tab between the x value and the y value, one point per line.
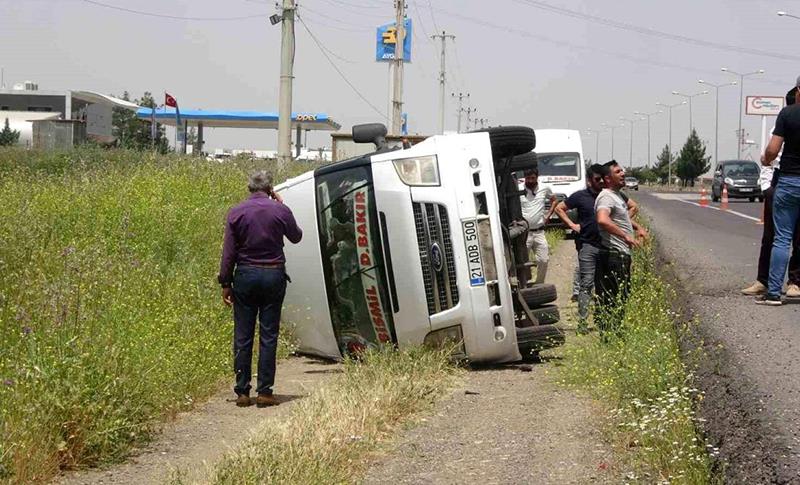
785	212
257	293
587	263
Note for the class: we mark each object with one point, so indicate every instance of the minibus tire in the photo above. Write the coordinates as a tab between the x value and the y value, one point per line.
531	340
508	141
547	314
539	294
523	162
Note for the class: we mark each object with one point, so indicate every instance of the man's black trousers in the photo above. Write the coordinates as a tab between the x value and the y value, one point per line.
612	279
258	294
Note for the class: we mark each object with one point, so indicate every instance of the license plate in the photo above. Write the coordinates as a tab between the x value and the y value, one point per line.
473	247
746	190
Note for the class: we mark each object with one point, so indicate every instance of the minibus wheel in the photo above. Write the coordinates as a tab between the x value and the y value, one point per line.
508	141
539	294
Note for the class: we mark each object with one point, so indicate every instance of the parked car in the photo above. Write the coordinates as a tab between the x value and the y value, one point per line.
632	183
741	178
418	245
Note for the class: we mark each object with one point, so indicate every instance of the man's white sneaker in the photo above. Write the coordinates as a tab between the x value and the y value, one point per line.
755	289
793	291
769	300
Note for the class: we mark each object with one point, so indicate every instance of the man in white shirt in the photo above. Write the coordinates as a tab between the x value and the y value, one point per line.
533	210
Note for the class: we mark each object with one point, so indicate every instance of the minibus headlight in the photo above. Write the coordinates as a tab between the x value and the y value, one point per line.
418	171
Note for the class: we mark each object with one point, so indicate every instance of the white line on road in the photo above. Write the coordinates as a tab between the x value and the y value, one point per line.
718	209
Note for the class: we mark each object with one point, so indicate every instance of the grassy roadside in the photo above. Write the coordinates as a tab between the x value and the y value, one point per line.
330	436
110	317
641	381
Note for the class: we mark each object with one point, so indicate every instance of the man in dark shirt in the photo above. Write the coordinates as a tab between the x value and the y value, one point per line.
786	208
588	241
253	279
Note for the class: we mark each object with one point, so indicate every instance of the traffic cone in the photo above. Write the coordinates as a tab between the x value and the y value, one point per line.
703	196
724	203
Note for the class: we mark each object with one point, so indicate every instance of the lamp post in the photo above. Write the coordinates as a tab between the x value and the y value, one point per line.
716	114
689	97
596	134
740	134
669	147
612	127
785	14
630	155
648	115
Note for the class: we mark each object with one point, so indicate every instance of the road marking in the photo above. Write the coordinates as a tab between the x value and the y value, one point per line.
718	209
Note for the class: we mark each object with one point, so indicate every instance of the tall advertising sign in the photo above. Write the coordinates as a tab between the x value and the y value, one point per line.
764	106
386	40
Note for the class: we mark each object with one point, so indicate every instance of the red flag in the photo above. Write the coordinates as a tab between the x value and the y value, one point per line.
170	101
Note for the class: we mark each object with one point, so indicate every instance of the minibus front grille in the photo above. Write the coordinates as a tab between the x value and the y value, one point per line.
433	229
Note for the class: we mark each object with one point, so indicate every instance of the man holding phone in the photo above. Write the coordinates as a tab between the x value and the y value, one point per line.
253	279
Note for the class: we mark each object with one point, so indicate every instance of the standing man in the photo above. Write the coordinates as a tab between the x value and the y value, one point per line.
786	205
613	271
253	278
768	180
533	203
588	240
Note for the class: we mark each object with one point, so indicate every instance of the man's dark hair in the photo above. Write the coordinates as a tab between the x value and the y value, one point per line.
595	169
608	166
791	96
532	171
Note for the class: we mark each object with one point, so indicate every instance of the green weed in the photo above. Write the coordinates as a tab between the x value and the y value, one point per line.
110	316
639	376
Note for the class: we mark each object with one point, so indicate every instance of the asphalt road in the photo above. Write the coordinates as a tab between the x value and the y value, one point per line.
758	378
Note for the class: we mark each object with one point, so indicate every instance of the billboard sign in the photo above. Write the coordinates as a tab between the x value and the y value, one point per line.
386	40
764	105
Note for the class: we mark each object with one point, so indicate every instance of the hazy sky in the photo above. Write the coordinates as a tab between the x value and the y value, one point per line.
520	64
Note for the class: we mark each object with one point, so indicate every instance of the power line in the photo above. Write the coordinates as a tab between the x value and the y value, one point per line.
433	17
171	17
336	68
654	33
360	28
560	43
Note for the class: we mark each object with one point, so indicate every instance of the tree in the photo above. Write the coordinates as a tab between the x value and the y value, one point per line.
692	161
134	133
8	136
661	170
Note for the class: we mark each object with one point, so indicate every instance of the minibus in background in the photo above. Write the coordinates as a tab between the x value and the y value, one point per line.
413	246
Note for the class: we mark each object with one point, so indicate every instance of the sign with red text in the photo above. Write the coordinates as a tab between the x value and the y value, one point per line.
764	105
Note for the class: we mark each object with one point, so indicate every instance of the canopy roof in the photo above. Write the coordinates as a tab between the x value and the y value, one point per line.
239	119
99	98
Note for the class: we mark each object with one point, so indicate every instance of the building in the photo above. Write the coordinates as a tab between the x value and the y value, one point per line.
59	119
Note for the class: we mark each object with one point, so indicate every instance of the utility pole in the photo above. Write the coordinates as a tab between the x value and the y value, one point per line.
716	115
461	97
287	67
469	112
444	36
648	115
630	156
669	165
400	35
741	76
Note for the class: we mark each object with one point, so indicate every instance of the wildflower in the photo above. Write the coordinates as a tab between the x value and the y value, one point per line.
8	382
68	250
26	330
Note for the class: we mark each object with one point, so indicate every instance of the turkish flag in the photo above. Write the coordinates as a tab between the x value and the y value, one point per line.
170	101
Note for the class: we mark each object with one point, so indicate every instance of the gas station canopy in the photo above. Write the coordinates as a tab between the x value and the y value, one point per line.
239	119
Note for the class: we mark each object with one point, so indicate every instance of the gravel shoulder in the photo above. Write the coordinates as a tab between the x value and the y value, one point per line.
503	425
201	436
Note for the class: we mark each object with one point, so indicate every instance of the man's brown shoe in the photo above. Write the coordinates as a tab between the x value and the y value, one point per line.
243	401
264	400
755	289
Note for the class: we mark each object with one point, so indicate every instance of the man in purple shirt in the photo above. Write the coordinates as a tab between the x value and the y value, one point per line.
253	279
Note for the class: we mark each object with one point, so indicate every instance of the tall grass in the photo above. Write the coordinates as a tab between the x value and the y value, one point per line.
329	437
110	316
639	376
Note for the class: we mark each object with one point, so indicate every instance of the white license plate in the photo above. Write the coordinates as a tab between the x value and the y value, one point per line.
473	246
746	190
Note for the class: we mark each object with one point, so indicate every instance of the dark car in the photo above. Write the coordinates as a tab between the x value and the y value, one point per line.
741	177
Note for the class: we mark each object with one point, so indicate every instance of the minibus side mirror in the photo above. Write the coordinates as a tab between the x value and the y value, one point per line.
371	133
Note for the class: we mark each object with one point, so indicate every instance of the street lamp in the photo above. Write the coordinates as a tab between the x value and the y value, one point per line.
740	134
784	14
716	114
630	160
689	97
596	134
669	147
612	127
648	115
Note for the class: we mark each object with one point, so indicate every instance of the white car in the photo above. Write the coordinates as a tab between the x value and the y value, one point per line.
632	183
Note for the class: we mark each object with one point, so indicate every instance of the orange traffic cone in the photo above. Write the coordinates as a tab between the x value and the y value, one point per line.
724	203
703	196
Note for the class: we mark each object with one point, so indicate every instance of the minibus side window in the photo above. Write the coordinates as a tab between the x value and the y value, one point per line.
352	259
